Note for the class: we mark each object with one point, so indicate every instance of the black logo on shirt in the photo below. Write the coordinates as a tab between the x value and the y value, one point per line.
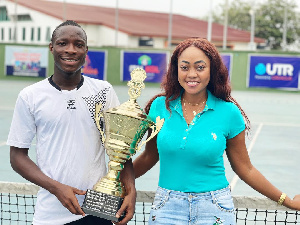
71	104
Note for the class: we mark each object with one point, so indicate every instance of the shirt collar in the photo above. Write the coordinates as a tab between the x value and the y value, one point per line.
210	103
50	79
211	100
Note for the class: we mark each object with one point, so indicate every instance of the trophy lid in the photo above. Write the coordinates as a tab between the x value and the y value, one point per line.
131	107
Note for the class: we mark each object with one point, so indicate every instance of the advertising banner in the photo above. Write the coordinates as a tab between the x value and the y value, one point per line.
26	61
227	60
154	63
274	71
95	64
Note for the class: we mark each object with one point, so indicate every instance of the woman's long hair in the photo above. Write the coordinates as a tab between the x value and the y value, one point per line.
218	85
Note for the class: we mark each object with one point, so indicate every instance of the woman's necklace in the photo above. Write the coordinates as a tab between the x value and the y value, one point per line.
196	111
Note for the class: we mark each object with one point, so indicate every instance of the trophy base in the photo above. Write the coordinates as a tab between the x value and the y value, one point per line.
102	205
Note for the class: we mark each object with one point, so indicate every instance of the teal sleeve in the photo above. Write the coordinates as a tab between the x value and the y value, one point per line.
153	110
237	123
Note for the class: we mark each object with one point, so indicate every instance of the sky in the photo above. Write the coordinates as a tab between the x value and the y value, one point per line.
190	8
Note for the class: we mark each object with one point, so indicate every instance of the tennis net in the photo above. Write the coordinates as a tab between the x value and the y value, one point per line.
17	201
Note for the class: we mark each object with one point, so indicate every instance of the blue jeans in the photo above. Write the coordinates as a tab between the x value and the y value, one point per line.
179	208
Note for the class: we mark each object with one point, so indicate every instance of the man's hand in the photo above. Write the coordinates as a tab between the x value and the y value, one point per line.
66	195
128	207
23	165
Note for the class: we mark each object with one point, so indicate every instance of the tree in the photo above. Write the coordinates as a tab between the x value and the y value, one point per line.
238	15
269	20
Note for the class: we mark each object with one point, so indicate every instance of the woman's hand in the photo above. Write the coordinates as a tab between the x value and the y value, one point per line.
293	203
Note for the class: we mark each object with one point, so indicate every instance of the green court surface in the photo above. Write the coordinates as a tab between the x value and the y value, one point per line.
274	144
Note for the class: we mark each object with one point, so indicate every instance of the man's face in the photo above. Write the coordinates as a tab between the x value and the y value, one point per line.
69	49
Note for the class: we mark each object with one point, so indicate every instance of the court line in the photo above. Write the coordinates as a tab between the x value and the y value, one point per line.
2	143
280	124
236	177
7	108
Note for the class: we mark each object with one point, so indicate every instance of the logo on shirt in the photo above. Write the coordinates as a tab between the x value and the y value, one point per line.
214	136
71	104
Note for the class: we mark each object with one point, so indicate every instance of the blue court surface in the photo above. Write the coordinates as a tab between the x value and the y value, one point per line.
273	146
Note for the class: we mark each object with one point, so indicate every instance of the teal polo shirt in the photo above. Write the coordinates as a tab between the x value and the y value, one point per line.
191	157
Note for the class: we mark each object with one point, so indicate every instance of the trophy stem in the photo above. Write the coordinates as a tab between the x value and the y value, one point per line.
111	183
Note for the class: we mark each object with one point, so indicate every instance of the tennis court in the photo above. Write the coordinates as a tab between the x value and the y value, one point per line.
274	144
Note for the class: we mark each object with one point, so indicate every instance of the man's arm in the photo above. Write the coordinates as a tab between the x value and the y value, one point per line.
23	165
128	206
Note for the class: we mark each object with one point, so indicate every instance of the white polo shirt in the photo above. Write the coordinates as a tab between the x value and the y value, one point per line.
68	145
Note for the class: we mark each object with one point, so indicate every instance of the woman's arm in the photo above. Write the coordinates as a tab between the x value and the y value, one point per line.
147	159
240	162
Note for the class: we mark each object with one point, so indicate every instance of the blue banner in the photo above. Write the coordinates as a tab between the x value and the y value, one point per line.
95	65
26	61
227	60
154	63
274	71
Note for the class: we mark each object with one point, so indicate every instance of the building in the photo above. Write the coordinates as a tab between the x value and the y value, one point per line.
35	20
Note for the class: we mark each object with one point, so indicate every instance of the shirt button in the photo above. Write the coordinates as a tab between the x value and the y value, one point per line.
186	130
190	196
184	138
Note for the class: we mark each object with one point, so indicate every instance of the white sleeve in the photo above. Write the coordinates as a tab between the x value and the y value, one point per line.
112	99
23	129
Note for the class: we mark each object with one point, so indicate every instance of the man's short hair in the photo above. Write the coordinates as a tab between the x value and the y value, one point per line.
67	23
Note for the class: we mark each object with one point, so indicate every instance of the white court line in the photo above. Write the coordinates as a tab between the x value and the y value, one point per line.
236	178
4	143
6	108
280	124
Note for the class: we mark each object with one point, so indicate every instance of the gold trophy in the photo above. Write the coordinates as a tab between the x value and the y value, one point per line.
125	127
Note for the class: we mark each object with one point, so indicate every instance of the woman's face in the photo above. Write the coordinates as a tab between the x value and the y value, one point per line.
193	71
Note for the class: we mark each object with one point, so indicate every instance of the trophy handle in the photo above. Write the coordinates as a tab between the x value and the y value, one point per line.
155	129
98	116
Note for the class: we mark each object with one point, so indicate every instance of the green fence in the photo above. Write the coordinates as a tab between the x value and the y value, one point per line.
238	70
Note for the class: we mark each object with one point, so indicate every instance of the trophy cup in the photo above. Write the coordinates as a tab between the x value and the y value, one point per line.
124	128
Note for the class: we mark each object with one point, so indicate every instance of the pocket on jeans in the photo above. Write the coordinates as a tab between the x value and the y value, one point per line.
159	202
225	203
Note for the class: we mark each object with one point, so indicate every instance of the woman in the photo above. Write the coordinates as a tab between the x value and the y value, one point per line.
202	120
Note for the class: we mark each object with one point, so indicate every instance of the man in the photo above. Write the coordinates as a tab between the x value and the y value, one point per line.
59	112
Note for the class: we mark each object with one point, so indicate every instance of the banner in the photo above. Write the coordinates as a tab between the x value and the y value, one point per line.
274	71
26	61
95	64
227	60
154	63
